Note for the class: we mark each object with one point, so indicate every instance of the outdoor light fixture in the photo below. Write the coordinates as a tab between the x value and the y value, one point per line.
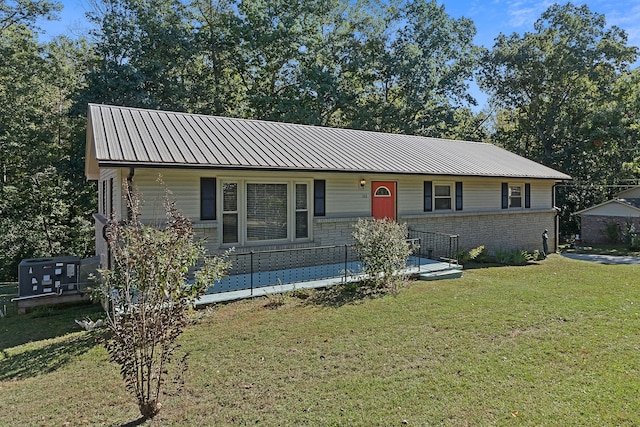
362	182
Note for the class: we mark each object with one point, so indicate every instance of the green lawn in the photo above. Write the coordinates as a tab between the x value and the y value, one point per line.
555	343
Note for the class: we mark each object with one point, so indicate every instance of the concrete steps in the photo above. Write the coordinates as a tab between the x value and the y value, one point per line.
453	272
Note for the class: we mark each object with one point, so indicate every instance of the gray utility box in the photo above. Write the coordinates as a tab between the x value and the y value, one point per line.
41	276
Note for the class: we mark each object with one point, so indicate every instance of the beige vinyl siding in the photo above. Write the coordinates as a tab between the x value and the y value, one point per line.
344	195
106	175
183	185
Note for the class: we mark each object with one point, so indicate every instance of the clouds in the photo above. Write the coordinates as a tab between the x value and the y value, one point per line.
521	14
628	18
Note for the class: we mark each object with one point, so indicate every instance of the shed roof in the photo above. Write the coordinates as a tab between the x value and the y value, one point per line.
626	207
133	137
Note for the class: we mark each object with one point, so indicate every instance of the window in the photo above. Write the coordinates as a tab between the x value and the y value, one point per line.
319	197
302	212
266	212
207	198
382	192
442	197
458	196
512	196
515	196
254	212
110	212
428	201
104	198
230	212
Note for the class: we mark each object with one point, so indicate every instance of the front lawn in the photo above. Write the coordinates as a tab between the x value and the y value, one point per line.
552	343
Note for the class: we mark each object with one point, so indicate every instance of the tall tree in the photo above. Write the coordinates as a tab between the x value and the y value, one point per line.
143	50
556	87
39	213
420	67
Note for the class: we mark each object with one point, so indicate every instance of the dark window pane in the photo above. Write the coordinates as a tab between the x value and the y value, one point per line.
301	196
319	197
302	227
207	198
443	204
230	197
230	228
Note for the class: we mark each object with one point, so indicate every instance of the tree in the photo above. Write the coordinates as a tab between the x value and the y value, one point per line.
25	13
143	50
415	70
556	91
44	205
149	297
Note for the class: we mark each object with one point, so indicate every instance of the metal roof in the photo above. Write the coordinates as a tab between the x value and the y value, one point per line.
132	137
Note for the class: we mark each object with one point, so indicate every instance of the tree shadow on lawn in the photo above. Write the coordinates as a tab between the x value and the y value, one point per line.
45	322
42	360
340	295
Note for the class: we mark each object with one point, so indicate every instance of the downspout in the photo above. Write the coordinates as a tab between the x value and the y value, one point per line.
556	219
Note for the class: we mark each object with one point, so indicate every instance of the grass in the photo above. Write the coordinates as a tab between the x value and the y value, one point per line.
602	249
552	343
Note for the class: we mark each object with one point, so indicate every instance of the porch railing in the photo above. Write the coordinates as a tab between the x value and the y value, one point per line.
331	264
437	246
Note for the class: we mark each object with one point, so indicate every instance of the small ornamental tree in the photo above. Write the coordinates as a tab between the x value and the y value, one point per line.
148	297
383	248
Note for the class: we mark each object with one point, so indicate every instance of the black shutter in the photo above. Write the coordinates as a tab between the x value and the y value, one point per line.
319	197
458	196
428	197
505	195
527	196
207	198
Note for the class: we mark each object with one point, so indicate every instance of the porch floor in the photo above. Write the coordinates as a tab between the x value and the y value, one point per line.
284	280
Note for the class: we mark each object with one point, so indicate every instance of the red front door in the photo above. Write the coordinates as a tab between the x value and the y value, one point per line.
383	199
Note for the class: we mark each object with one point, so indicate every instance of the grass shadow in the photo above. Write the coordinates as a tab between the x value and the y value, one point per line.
340	295
135	423
45	323
44	359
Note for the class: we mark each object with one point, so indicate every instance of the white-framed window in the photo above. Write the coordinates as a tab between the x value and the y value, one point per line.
382	191
515	195
230	223
255	211
442	196
302	210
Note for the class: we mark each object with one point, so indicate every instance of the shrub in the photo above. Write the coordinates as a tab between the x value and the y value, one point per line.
612	230
382	247
514	257
148	298
630	235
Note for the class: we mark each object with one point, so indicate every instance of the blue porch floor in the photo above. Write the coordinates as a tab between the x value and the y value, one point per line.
240	286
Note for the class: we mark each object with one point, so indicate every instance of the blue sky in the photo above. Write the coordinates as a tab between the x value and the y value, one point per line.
491	18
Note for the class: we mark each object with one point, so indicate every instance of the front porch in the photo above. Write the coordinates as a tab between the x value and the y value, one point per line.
258	273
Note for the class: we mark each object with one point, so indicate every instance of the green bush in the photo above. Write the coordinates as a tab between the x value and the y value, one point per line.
382	247
513	257
613	232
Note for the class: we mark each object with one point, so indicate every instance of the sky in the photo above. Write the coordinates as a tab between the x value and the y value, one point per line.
491	17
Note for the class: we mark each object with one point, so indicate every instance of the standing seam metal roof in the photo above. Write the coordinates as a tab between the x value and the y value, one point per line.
133	137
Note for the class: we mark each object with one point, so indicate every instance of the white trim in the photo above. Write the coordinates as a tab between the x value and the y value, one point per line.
522	191
241	212
451	197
